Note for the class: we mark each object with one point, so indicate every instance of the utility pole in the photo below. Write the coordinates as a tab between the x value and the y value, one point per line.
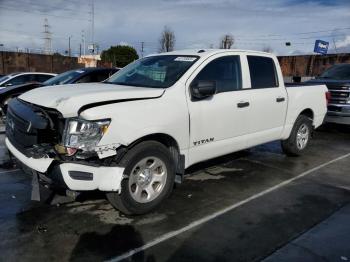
80	50
84	42
69	49
142	46
47	37
335	46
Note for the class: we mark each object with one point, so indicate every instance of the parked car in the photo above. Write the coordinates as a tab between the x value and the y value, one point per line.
134	135
337	79
22	78
84	75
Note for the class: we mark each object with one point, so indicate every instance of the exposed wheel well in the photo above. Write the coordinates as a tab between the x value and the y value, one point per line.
308	112
165	139
172	145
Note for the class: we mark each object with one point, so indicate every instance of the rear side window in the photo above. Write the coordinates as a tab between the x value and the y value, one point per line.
86	79
42	78
101	75
262	72
21	79
225	71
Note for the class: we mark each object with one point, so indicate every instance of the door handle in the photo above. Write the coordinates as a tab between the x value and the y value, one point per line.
280	99
242	104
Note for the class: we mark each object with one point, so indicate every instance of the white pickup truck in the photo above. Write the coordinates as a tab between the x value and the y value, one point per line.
134	135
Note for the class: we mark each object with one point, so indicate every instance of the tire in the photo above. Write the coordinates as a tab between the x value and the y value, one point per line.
299	138
4	108
150	172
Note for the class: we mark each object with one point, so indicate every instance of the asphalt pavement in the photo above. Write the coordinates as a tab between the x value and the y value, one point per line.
252	205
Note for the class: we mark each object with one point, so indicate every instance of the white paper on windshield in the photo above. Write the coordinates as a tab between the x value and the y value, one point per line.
185	59
79	71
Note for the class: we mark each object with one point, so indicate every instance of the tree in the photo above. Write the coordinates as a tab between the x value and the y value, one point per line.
120	55
167	40
227	41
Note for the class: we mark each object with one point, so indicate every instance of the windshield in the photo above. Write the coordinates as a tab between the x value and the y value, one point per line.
156	71
340	72
3	78
64	78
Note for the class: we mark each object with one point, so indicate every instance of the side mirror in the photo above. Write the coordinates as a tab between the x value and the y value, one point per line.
203	89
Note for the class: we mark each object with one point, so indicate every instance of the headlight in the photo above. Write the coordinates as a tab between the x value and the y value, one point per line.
84	134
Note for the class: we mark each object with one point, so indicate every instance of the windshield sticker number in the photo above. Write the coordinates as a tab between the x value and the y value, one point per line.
185	59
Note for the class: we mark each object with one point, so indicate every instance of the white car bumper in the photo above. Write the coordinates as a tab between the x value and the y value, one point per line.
76	176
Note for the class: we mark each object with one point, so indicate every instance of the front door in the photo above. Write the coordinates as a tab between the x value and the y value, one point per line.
218	123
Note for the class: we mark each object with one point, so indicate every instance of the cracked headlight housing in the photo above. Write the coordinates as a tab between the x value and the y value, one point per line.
84	134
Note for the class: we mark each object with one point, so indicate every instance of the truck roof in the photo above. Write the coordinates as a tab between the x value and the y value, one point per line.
209	52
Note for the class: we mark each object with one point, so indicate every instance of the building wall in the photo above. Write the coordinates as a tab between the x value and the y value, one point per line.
310	65
302	66
11	62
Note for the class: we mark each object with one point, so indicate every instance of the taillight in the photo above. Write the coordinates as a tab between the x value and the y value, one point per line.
328	97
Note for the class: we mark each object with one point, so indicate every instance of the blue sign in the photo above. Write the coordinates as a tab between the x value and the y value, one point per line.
321	47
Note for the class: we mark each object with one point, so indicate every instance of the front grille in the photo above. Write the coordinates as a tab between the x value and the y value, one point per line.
339	94
28	126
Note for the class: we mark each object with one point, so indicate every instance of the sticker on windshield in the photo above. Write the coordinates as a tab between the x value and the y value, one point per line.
79	71
185	59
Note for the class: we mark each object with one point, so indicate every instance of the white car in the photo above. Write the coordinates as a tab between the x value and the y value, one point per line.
134	135
23	78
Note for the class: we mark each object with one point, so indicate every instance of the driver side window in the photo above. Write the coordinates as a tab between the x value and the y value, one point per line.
225	71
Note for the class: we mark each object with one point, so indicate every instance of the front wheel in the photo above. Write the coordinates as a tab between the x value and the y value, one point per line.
150	173
299	138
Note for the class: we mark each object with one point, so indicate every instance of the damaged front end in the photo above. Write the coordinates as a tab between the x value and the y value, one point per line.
61	152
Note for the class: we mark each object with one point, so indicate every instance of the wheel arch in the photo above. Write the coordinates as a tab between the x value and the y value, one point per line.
173	146
308	112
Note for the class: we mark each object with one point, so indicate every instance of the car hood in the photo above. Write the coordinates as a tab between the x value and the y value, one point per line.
10	89
69	99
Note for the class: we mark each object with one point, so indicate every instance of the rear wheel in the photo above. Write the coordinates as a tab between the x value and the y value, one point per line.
299	138
150	173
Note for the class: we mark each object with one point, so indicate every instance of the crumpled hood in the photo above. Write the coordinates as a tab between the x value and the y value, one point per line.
68	99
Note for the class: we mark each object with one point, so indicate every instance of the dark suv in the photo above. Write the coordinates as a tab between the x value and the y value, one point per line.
83	75
337	79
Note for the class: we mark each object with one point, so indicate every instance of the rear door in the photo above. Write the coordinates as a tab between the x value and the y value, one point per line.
218	122
268	99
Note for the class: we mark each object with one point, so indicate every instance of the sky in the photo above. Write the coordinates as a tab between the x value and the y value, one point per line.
254	24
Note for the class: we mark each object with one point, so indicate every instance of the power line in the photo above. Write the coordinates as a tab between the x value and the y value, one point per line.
301	33
43	14
41	6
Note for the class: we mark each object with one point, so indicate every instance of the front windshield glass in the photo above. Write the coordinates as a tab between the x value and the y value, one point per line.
64	78
339	72
3	78
155	71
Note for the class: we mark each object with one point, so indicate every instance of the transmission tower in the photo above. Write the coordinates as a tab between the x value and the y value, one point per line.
47	37
92	19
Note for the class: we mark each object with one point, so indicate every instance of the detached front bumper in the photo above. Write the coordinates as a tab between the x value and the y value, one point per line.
77	177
